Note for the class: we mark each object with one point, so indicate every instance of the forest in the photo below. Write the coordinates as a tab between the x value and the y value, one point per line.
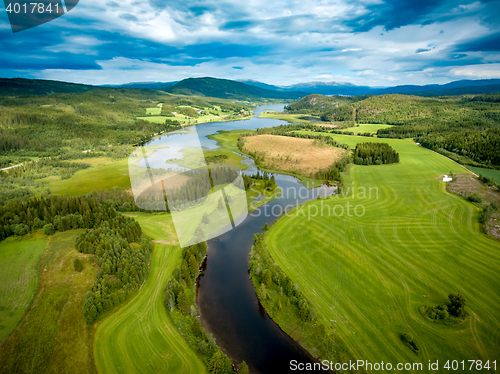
374	154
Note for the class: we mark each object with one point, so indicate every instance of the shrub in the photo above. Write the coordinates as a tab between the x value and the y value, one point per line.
49	229
475	198
78	265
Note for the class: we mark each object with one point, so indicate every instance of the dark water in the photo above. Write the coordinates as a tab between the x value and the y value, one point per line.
227	302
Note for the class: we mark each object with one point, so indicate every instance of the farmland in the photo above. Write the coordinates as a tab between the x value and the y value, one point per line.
53	337
106	175
301	156
415	243
139	337
18	280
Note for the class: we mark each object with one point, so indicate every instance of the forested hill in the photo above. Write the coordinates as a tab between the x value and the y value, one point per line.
228	89
21	86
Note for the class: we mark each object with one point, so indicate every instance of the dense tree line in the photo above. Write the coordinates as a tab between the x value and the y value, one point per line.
199	184
122	254
374	154
249	180
63	212
179	301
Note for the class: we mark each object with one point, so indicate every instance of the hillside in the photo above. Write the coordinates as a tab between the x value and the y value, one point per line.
227	89
21	86
317	104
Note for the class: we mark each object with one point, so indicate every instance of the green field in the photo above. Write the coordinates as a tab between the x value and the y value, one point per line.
107	176
139	337
228	139
367	127
490	173
18	280
153	111
415	244
53	338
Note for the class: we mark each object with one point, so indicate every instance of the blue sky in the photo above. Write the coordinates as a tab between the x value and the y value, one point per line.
366	42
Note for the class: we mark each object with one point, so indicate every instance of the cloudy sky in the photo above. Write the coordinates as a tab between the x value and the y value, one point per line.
366	42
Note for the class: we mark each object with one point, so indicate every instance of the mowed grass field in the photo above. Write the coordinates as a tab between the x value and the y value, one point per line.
414	245
139	337
296	155
18	280
105	176
53	337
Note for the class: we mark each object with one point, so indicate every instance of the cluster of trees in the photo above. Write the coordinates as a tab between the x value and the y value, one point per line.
199	184
441	313
215	158
410	343
333	172
269	181
179	301
63	212
374	154
122	254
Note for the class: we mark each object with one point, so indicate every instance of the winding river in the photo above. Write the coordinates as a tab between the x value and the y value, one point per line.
226	298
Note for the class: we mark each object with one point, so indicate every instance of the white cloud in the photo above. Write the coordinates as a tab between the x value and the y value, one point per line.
483	71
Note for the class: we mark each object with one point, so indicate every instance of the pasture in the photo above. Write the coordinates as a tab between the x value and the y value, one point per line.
296	155
139	337
104	176
490	173
367	274
53	338
18	280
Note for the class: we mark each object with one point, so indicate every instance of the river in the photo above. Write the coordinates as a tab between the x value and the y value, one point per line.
226	299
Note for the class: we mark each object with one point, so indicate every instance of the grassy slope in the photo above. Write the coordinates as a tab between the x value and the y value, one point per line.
139	337
18	280
107	176
53	337
367	127
415	244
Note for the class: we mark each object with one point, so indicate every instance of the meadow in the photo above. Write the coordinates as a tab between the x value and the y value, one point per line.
53	337
139	336
302	156
368	270
106	175
18	280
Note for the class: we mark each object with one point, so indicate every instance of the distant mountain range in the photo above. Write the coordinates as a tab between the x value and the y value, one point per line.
228	89
460	87
251	89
